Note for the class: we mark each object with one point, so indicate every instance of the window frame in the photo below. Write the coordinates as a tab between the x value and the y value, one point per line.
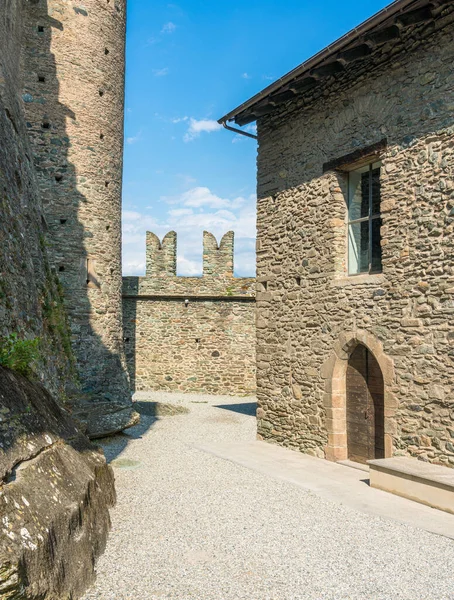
371	216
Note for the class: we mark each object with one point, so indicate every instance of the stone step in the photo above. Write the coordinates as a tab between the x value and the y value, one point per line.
422	482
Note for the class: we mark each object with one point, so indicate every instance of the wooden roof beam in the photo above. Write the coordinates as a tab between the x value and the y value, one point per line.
382	36
416	16
245	118
331	68
302	85
355	53
282	96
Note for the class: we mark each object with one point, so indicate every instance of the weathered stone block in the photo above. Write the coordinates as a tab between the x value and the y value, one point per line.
56	492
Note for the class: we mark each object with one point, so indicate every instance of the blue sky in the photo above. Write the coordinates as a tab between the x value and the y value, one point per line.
188	64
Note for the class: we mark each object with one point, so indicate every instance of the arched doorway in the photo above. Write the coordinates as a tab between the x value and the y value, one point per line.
334	372
365	406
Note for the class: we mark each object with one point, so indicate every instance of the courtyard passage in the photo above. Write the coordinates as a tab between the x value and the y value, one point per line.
206	513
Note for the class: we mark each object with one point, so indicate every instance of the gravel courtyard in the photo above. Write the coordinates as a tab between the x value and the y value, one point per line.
191	526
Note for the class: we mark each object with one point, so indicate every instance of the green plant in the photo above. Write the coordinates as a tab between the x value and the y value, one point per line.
55	318
19	355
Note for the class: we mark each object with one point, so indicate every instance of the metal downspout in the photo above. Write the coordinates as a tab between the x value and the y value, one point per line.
249	135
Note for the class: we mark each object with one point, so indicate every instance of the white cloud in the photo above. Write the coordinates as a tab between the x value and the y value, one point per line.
189	214
168	27
134	138
268	77
198	197
179	119
161	72
246	76
186	180
187	267
179	212
203	197
131	215
196	127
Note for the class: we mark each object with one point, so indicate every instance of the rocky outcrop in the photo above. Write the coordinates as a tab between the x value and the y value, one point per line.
55	492
101	419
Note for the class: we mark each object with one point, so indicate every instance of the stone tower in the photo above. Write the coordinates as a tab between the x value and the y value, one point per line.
73	63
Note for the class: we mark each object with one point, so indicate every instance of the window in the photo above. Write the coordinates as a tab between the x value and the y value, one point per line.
92	278
364	220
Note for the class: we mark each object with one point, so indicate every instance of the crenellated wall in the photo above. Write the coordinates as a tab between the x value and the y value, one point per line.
192	334
161	257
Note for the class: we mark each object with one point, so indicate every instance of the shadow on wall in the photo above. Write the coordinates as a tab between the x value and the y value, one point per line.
77	153
130	331
27	286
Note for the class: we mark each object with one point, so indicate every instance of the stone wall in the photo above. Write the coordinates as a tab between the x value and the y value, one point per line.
55	487
191	334
30	298
310	313
73	71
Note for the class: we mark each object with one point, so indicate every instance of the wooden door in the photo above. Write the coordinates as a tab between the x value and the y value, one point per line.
365	407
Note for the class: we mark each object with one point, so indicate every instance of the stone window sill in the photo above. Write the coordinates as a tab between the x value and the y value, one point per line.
376	279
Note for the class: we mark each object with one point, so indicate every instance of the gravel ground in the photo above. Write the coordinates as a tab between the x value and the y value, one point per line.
190	526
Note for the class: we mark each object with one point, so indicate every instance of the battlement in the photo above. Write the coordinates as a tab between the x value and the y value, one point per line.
218	260
192	334
161	257
217	281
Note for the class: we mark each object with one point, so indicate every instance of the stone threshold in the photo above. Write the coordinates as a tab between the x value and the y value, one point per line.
419	481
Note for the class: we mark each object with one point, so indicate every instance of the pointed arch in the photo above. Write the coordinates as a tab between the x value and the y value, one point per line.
334	372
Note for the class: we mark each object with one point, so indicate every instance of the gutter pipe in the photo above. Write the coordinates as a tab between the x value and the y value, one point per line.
249	135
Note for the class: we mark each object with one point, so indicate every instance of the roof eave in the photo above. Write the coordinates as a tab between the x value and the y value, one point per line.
393	9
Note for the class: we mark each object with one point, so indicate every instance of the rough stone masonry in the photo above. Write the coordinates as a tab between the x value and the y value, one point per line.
73	88
387	95
61	86
192	334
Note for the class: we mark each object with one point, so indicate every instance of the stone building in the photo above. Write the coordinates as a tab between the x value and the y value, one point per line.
355	299
190	334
